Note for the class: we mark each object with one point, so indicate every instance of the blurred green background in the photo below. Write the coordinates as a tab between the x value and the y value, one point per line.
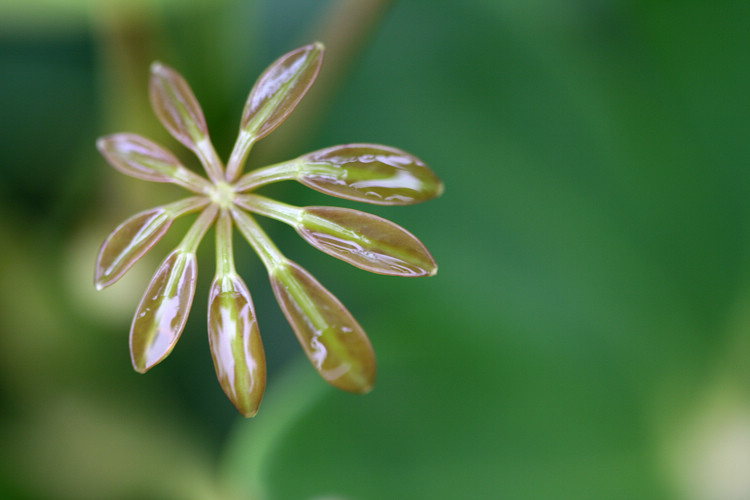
587	336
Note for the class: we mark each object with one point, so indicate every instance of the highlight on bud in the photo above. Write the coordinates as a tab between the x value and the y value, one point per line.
235	342
280	88
372	173
141	158
130	241
138	157
365	241
163	311
176	106
334	342
276	93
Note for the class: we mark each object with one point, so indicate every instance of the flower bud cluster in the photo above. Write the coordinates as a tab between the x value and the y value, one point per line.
335	343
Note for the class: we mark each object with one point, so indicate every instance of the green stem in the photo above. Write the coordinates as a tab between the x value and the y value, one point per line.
190	181
270	255
287	214
206	153
239	154
198	230
224	251
283	171
296	217
186	206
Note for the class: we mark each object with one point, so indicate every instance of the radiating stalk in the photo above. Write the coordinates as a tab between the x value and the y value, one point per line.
238	157
284	171
283	212
258	239
224	250
186	205
233	334
198	230
207	155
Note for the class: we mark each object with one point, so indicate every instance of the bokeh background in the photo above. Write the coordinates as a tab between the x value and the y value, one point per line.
587	336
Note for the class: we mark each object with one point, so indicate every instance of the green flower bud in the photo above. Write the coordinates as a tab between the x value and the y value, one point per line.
128	243
235	343
178	110
332	339
138	157
163	311
275	94
365	241
176	106
371	173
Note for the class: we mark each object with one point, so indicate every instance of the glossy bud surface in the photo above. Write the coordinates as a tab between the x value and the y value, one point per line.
176	106
235	342
128	243
138	157
371	173
163	311
280	88
366	241
332	339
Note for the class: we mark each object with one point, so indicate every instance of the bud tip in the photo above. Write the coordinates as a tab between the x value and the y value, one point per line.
157	68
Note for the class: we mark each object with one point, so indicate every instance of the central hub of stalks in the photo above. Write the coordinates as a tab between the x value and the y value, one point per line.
223	195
